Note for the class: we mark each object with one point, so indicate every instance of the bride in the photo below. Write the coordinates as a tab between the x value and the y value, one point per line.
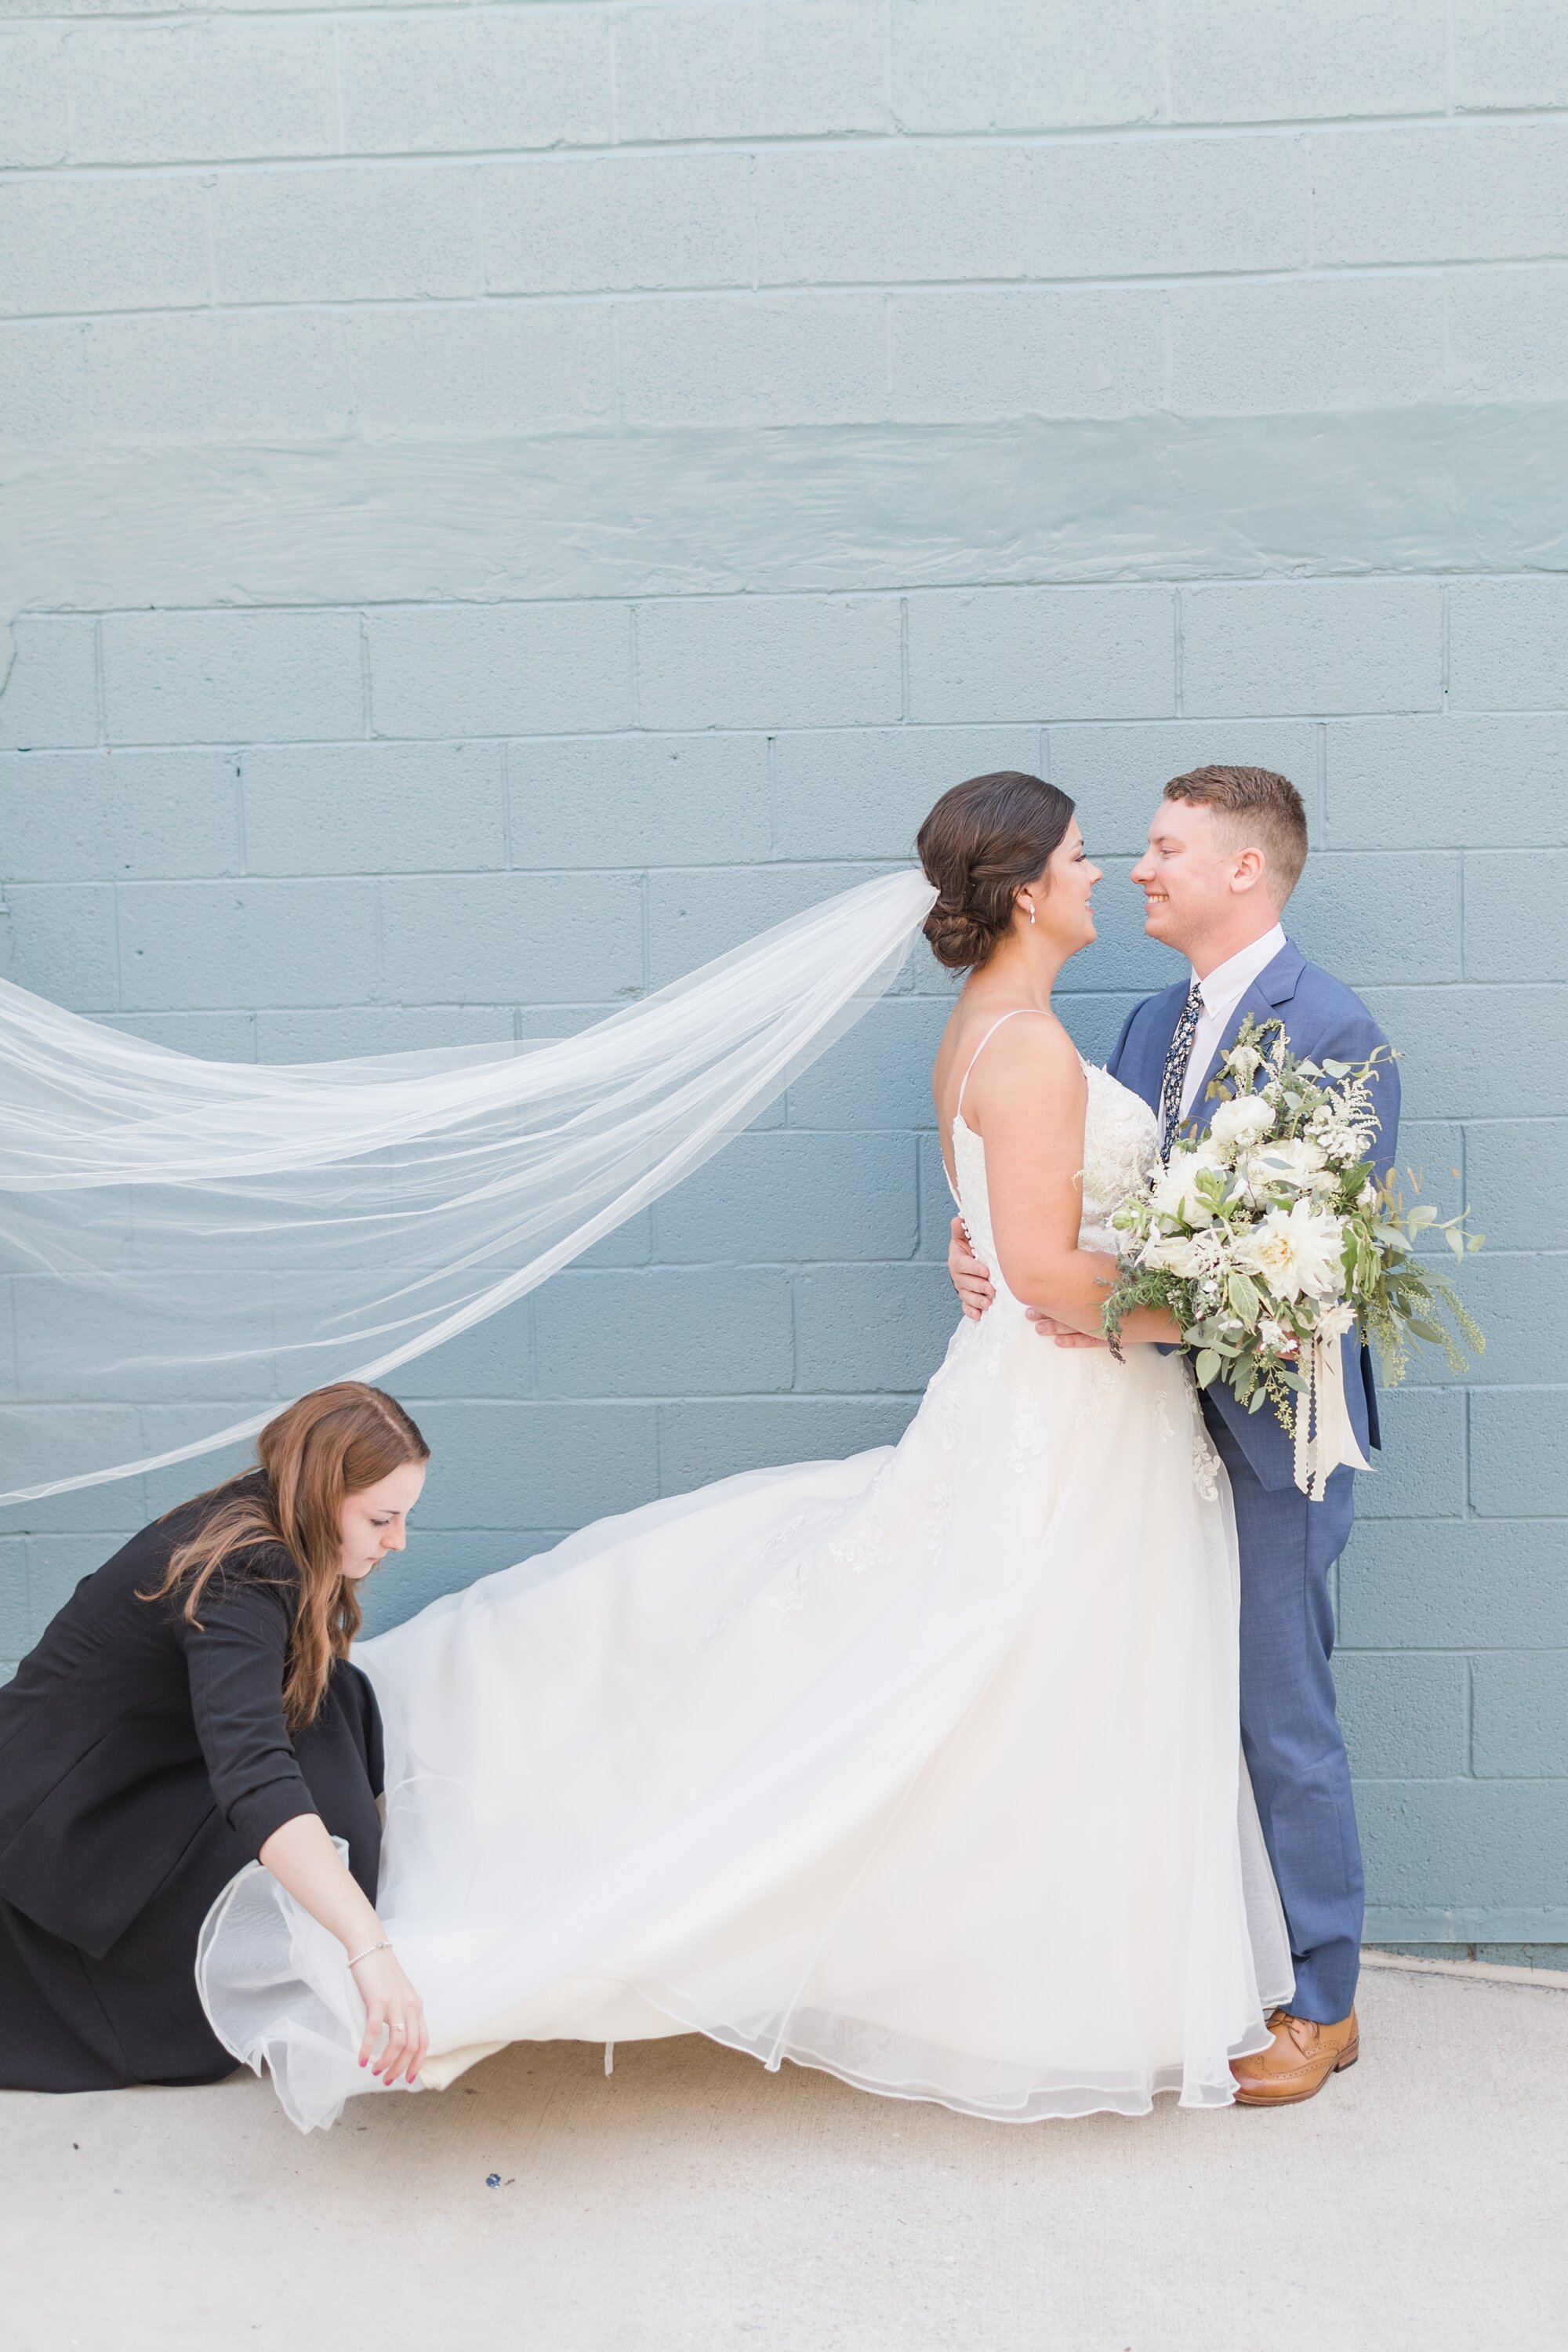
921	1766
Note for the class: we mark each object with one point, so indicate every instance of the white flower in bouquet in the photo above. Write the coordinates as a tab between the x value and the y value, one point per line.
1344	1140
1293	1160
1174	1253
1276	1338
1295	1252
1241	1120
1176	1191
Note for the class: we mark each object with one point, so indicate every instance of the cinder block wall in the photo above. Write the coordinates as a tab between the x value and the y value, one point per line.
507	501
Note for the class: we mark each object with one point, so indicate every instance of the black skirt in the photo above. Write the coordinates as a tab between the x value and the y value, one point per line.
71	2021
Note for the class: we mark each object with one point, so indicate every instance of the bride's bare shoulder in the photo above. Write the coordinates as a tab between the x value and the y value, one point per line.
987	1050
1035	1048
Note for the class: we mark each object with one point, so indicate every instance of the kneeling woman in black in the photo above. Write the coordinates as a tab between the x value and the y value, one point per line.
192	1708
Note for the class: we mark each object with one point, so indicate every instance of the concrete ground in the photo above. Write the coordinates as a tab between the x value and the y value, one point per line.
693	2202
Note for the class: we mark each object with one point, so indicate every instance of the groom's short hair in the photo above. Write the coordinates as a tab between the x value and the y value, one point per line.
1265	812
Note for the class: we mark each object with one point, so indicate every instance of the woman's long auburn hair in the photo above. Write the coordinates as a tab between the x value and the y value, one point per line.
335	1441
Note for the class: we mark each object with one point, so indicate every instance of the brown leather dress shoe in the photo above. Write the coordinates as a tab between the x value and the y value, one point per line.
1297	2061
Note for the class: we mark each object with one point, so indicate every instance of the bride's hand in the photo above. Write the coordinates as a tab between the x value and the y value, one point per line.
392	2008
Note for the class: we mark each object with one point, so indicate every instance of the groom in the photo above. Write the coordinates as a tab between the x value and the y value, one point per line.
1226	849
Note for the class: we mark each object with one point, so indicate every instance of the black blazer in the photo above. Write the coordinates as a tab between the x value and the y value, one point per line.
126	1725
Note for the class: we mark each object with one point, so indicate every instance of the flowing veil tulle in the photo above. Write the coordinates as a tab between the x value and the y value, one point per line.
189	1244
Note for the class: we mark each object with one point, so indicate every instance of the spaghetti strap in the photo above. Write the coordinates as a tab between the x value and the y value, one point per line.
958	1106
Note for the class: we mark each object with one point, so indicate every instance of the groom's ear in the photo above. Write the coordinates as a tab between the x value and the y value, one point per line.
1250	871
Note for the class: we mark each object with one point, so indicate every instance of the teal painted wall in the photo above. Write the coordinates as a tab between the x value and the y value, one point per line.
505	502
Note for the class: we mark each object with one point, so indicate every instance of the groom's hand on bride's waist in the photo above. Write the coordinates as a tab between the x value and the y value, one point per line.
970	1279
972	1282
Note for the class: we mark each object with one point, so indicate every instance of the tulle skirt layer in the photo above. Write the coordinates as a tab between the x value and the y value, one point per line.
921	1767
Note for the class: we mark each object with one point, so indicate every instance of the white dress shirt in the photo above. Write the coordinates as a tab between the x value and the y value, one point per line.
1223	991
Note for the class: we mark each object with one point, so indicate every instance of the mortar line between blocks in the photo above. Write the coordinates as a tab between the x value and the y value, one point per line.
1150	280
1444	643
961	585
1149	133
1470	1511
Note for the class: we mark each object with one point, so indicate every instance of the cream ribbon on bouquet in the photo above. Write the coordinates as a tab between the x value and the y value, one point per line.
1324	1436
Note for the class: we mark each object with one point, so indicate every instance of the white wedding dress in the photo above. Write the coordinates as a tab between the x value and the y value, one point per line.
921	1767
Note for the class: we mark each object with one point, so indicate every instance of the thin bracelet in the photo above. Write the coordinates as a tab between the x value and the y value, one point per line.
384	1945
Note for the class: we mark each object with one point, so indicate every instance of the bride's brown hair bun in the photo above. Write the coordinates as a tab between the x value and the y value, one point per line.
983	841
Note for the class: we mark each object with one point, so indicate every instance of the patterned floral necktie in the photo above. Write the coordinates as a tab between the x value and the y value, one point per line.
1176	1061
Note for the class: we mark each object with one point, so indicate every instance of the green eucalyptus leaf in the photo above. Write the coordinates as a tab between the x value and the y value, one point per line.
1242	1296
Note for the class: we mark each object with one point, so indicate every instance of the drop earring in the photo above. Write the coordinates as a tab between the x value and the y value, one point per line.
1030	904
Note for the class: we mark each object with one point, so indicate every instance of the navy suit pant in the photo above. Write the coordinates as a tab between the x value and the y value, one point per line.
1290	1729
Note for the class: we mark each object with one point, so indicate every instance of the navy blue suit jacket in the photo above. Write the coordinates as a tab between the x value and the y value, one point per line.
1323	1020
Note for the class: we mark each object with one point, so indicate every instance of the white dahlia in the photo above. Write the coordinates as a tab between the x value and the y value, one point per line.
1295	1251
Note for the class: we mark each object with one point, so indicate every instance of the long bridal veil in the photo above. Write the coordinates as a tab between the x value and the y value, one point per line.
188	1244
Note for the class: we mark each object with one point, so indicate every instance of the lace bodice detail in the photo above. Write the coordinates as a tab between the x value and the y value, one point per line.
1121	1144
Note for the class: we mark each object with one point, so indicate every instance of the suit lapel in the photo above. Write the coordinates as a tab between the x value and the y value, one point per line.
1275	986
1148	1074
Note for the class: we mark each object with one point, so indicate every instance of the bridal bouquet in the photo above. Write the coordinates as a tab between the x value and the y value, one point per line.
1269	1237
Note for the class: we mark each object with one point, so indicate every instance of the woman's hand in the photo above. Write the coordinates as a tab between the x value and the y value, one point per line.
392	2008
301	1856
